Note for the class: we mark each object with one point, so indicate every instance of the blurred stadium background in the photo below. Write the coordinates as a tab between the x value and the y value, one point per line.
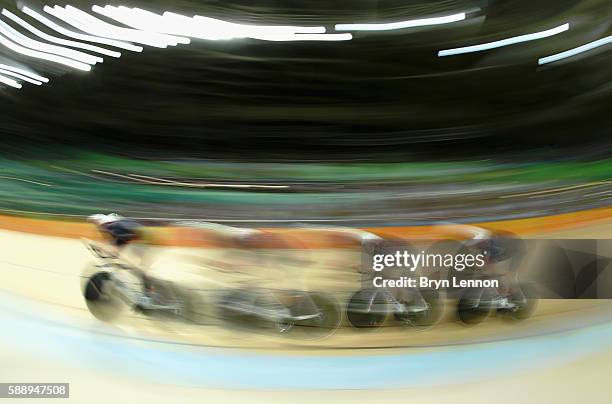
368	129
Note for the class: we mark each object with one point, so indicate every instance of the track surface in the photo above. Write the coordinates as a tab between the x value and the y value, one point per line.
50	336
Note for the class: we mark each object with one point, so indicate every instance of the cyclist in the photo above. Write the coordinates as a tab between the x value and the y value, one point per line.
121	232
118	230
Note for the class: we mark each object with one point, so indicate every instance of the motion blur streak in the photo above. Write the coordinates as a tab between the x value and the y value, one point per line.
576	51
55	50
505	42
220	156
24	72
213	29
316	37
161	39
402	24
160	181
20	76
87	23
57	40
75	35
9	82
44	56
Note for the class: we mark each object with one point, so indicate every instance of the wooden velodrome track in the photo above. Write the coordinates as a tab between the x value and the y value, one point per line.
42	264
50	253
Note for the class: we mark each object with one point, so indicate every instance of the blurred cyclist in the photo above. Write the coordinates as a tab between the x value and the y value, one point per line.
121	232
505	248
118	230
